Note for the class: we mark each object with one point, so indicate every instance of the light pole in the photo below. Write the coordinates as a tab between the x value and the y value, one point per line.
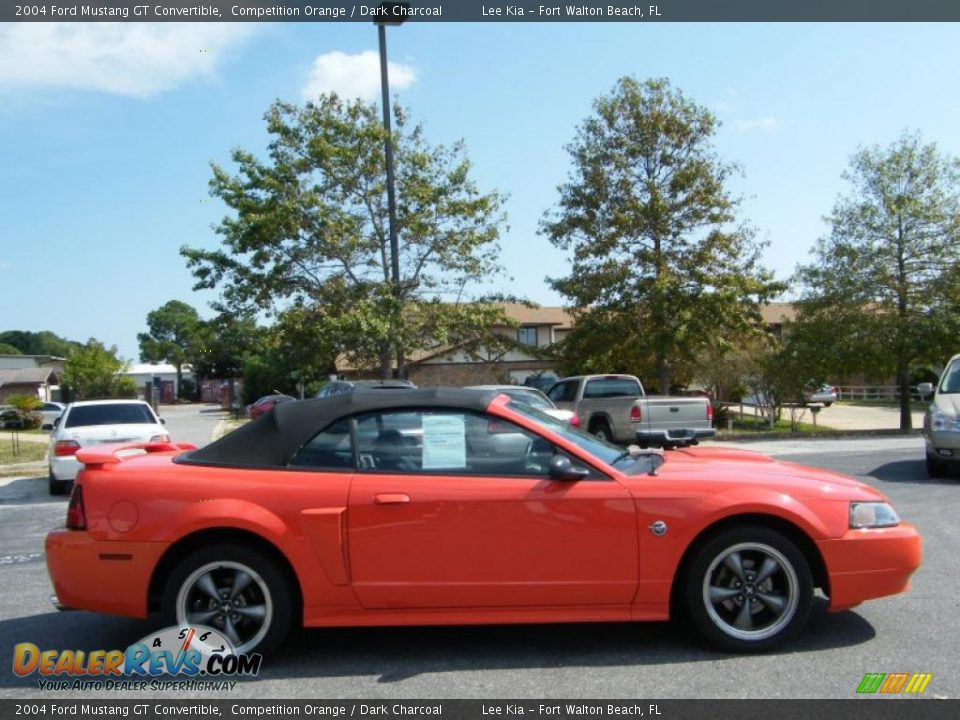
391	14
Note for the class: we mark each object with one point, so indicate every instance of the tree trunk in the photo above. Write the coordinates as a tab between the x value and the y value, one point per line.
385	361
176	395
663	373
903	380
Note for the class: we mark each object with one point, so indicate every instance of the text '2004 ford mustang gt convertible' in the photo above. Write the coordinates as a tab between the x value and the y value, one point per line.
442	507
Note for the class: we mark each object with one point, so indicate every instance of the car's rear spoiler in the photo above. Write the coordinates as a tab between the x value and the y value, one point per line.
107	454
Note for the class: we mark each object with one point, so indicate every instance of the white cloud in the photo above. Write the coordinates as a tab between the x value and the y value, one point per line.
354	76
765	125
133	59
4	265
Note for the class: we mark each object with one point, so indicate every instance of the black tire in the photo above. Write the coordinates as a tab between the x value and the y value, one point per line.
601	428
56	487
268	588
936	468
827	404
779	605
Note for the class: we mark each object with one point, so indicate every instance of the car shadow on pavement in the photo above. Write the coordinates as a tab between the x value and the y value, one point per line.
397	654
28	490
909	472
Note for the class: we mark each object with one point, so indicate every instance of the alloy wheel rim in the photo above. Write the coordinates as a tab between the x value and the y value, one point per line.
229	597
751	591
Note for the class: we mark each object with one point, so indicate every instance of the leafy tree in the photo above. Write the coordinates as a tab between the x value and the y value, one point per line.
38	343
24	406
173	337
6	349
95	371
649	223
310	229
225	342
882	289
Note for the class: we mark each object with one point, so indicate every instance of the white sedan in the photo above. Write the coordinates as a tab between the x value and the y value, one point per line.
534	398
98	422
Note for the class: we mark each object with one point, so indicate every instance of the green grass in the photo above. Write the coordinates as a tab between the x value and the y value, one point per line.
750	424
29	451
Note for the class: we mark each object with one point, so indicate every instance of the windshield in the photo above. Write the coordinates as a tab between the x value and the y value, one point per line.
120	414
951	379
604	451
533	398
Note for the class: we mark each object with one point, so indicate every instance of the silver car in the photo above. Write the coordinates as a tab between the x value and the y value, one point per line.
941	424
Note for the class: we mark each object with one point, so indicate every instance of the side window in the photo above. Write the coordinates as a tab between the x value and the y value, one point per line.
564	391
330	449
611	388
450	442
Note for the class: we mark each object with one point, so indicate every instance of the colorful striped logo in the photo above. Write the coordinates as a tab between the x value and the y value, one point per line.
891	683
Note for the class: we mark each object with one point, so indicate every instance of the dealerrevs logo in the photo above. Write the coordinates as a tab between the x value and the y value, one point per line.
190	651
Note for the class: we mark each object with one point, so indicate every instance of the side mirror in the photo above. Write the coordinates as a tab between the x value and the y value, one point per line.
562	469
56	423
925	389
163	421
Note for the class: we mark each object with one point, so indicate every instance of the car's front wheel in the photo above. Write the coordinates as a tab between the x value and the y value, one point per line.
749	590
237	590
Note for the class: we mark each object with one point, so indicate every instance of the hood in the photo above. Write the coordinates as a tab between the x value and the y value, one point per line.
745	467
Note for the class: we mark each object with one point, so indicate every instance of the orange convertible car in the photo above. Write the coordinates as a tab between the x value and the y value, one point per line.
460	507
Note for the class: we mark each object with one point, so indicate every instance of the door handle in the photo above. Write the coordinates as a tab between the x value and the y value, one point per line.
391	498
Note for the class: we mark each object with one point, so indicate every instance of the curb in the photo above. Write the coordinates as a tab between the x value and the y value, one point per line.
825	435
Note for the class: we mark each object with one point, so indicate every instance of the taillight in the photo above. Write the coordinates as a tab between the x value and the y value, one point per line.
710	411
160	438
76	515
575	421
66	447
636	415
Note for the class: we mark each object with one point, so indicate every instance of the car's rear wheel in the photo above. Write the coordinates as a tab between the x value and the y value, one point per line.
749	590
237	590
601	428
936	468
56	487
827	404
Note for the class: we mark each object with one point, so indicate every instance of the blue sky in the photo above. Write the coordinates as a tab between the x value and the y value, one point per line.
107	132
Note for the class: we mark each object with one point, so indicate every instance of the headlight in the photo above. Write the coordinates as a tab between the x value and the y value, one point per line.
941	422
872	515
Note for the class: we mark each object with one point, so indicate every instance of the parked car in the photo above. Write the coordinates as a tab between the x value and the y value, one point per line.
266	404
341	387
327	518
542	382
49	412
533	398
941	424
821	393
98	422
616	408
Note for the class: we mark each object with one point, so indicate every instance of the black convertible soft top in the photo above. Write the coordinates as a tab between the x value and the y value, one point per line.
273	438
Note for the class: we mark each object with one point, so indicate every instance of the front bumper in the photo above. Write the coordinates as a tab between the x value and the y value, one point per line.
944	446
109	577
870	563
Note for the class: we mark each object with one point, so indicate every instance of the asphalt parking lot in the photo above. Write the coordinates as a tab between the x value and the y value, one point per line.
913	632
